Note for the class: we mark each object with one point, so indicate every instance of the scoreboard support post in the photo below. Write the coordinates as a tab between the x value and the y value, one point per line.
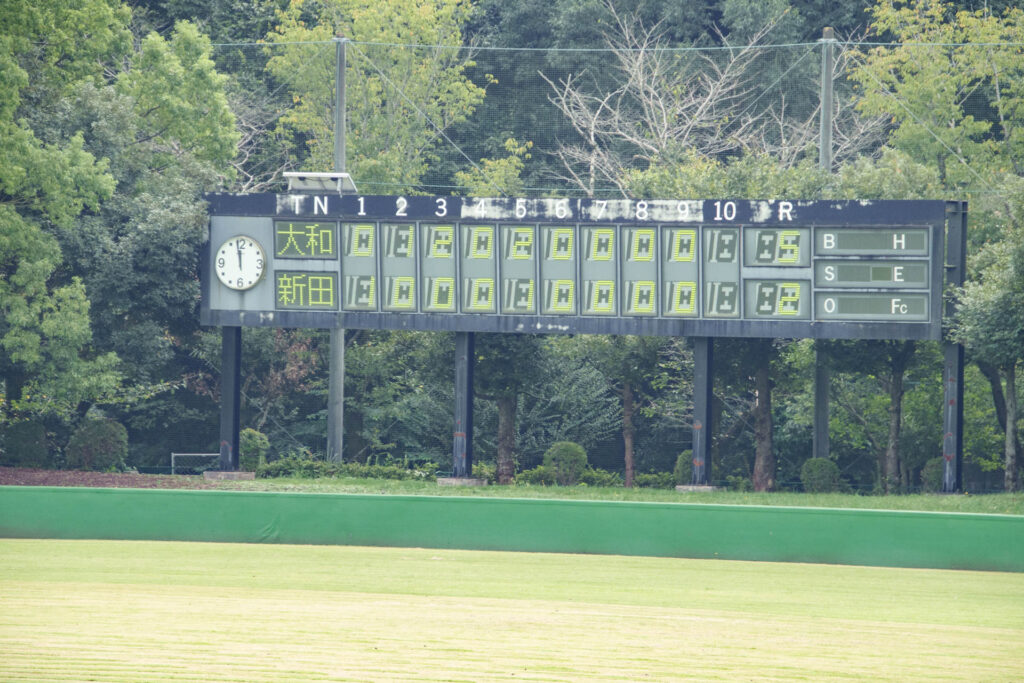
230	396
462	445
703	380
953	355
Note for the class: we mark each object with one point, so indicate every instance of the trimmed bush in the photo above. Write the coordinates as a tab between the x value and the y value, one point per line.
303	466
821	475
568	460
598	477
683	471
252	449
541	475
24	445
99	445
931	475
655	480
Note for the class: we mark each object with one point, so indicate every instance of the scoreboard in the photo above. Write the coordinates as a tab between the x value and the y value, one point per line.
741	268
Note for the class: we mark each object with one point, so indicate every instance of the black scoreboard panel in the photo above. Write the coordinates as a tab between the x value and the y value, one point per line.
822	269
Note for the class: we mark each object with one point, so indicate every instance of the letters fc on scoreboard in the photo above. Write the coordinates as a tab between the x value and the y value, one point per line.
842	269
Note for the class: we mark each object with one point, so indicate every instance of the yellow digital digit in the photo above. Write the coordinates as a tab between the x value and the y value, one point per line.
561	244
441	238
683	300
481	242
522	243
683	242
643	297
361	240
562	295
602	298
789	246
402	292
602	242
789	299
482	294
643	245
442	293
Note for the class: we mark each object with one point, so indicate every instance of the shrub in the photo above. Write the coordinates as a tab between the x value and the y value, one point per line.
735	482
295	464
931	475
821	475
304	466
683	471
568	460
598	477
100	445
252	449
655	480
483	470
541	475
25	445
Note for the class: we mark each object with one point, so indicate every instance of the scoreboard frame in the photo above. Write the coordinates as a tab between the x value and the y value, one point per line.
852	269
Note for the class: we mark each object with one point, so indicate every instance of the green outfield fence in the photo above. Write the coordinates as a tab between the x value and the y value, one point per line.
839	536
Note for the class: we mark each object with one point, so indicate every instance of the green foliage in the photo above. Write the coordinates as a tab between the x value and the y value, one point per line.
593	476
252	449
98	444
303	466
820	475
655	480
931	475
545	475
501	176
395	95
567	460
24	445
683	471
541	475
179	93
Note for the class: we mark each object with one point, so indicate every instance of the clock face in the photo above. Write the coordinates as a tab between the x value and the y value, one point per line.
240	262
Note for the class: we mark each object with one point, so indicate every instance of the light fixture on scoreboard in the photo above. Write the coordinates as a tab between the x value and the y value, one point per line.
319	182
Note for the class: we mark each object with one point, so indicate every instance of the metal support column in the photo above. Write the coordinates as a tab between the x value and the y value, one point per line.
703	375
822	372
953	354
336	369
462	445
230	396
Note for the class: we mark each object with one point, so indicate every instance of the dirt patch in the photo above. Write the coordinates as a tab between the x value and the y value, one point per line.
20	476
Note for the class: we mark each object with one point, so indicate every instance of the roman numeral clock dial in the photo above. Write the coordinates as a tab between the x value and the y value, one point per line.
240	262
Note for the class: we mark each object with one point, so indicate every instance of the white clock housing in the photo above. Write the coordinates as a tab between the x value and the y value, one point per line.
240	262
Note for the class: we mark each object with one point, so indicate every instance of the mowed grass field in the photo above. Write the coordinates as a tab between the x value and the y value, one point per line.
156	611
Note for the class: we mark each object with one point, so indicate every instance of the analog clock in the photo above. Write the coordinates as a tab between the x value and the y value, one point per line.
240	262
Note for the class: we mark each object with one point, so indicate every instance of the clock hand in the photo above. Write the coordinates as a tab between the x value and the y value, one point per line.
238	248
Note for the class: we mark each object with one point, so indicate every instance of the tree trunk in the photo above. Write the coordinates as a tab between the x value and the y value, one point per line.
1010	465
899	361
628	430
764	457
506	465
995	381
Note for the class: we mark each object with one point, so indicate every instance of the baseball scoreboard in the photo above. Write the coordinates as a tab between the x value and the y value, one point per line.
729	267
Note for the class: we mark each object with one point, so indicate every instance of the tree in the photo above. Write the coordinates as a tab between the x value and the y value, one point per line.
629	363
400	98
505	365
666	106
990	324
45	182
957	103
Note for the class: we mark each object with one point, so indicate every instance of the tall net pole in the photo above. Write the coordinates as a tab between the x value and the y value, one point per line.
336	369
822	376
